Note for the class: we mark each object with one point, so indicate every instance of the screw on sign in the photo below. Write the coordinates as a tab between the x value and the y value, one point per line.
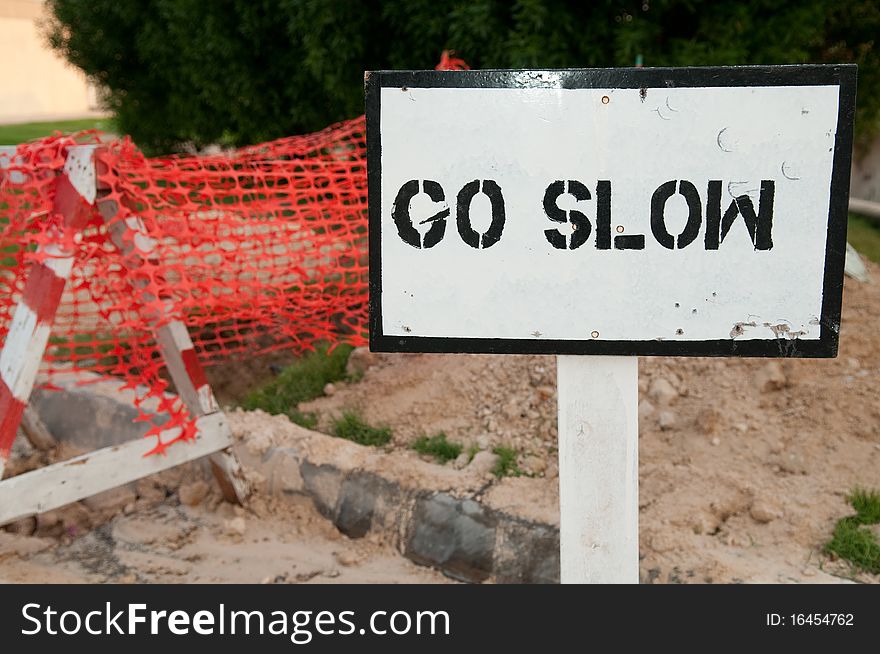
617	212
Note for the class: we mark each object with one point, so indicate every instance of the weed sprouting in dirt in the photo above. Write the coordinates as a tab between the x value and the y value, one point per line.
351	426
301	381
307	419
867	505
438	446
853	540
506	465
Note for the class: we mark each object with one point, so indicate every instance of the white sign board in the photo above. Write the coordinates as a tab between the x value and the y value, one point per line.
695	211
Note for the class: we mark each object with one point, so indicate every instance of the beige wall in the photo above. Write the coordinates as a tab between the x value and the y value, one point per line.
37	84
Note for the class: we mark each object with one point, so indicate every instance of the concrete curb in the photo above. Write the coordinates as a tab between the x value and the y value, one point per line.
471	528
457	523
461	536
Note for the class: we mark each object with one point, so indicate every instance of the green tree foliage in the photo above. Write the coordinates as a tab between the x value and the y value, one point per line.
243	71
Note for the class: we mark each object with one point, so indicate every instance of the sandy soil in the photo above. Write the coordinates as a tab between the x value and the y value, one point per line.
744	463
166	541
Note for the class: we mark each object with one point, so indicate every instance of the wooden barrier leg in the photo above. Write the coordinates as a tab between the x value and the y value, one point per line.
59	484
31	323
189	378
19	361
179	353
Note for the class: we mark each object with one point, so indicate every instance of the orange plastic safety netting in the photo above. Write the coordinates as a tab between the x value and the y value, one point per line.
254	250
257	249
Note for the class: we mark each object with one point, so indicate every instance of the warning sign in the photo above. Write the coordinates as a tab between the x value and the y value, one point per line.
694	211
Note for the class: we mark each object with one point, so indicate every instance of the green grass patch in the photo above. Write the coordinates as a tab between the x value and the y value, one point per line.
20	133
852	540
351	426
306	419
439	447
301	381
506	465
864	236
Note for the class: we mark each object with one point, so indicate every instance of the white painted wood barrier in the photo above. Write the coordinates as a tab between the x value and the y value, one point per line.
56	485
598	469
23	349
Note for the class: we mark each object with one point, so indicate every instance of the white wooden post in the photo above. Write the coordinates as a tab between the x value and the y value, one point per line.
598	468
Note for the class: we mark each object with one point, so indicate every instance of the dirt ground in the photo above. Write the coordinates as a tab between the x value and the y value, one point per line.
744	463
171	529
744	468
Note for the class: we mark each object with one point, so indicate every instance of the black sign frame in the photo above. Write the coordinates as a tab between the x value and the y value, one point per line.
841	75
